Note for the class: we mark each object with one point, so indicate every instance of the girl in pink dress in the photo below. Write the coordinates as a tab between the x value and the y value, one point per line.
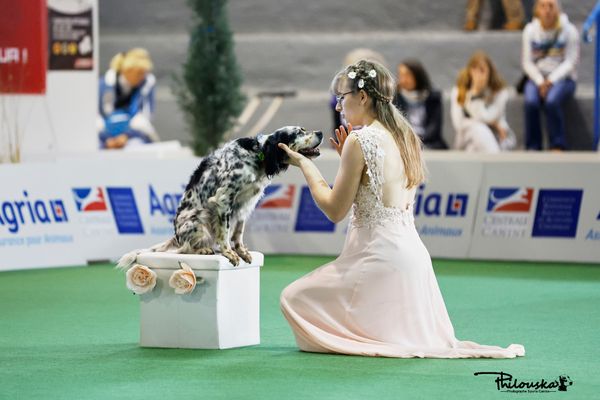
380	297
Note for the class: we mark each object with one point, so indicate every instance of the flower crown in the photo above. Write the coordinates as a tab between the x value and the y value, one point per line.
366	80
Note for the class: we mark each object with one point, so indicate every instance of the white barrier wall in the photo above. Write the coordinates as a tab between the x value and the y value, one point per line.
72	212
539	208
511	207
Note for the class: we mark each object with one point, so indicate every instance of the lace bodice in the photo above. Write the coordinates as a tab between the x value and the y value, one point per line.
368	208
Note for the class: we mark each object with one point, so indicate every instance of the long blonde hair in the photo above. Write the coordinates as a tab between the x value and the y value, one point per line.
134	58
463	81
381	90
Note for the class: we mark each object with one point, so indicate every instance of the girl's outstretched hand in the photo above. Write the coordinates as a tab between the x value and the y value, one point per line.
341	136
294	157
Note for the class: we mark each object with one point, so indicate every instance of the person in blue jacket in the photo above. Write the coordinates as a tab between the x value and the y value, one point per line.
127	101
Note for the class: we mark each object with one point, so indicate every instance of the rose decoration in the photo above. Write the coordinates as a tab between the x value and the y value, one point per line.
352	74
361	83
140	279
372	73
184	279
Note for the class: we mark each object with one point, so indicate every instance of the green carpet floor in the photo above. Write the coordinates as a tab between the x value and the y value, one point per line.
72	333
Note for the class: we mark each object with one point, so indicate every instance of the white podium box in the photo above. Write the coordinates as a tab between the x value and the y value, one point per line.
222	312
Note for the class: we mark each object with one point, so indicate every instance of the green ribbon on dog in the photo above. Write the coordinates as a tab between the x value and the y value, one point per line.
261	156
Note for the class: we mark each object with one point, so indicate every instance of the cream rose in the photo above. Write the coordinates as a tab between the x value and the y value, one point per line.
183	280
141	279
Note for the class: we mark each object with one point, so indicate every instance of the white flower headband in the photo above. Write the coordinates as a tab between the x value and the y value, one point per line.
361	82
362	75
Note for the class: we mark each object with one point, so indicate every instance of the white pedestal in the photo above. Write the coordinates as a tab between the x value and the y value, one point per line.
222	312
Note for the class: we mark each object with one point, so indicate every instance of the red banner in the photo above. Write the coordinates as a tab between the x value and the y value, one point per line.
23	46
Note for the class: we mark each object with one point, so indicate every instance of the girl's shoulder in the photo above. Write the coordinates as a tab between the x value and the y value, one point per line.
369	135
376	129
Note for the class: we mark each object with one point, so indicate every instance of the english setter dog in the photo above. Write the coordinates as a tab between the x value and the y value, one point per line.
224	190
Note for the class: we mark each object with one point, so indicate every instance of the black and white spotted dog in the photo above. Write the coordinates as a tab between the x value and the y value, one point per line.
224	190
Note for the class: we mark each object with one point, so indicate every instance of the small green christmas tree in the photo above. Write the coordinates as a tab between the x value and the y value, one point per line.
208	90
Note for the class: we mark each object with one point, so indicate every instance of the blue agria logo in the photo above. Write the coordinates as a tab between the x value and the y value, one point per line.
164	204
436	204
27	211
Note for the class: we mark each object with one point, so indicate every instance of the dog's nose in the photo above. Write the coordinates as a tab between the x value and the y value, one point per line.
319	134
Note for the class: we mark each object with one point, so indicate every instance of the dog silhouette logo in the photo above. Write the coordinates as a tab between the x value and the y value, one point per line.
510	200
564	381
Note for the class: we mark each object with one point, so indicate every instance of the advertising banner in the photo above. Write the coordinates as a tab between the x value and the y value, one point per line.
79	211
71	213
38	227
23	47
538	210
445	206
70	35
125	205
287	220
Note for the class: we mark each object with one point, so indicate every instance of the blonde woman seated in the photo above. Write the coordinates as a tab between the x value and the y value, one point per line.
478	108
127	101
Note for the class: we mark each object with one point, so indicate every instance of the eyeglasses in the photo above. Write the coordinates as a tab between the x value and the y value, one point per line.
340	97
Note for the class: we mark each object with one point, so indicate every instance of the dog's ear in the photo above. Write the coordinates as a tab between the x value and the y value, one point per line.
274	157
250	144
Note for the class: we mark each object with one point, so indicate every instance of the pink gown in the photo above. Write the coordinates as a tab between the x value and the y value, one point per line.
380	297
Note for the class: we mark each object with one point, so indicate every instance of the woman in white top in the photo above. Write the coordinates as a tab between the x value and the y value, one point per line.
380	297
478	108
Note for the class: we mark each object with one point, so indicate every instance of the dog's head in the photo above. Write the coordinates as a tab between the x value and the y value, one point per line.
565	380
296	138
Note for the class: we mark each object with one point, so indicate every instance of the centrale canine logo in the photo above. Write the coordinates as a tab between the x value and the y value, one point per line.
506	383
509	200
278	196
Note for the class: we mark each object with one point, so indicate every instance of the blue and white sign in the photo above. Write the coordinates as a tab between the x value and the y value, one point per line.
557	213
533	207
125	210
310	218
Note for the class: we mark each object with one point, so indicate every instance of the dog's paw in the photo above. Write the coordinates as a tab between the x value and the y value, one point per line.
243	253
127	260
232	257
205	251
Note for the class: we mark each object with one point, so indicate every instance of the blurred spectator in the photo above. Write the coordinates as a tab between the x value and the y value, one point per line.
478	108
513	10
352	58
420	103
127	101
528	8
550	57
